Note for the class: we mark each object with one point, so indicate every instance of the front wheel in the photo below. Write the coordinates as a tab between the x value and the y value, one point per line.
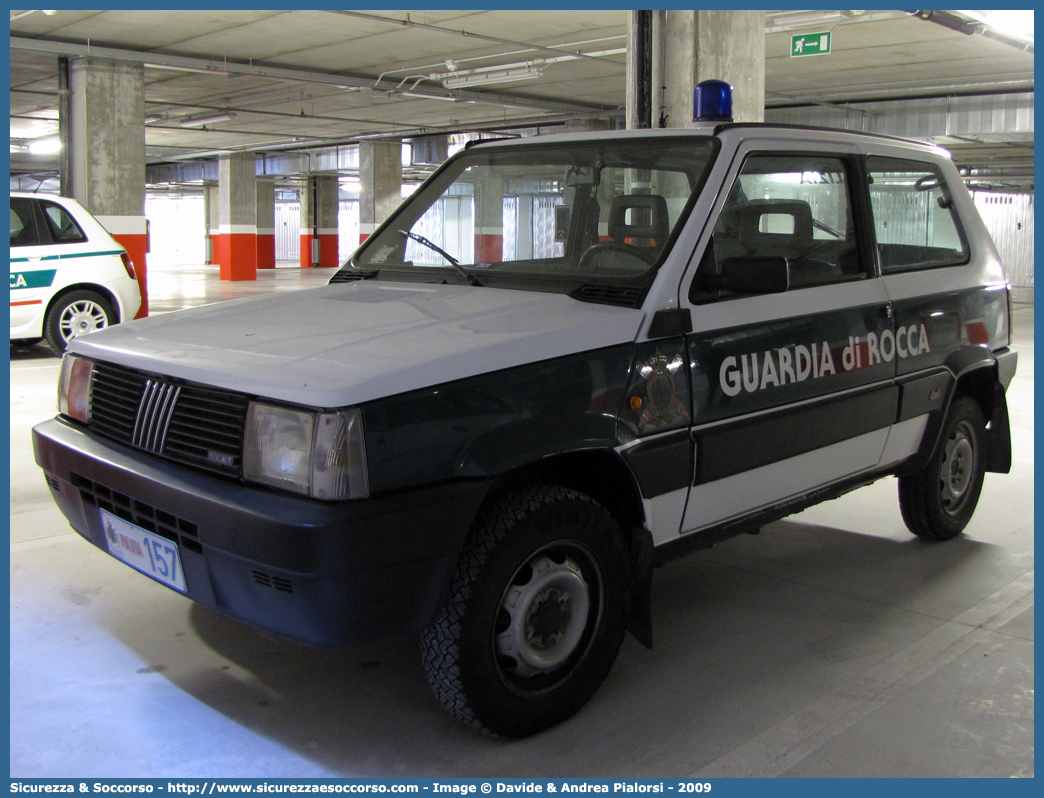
535	615
938	501
74	314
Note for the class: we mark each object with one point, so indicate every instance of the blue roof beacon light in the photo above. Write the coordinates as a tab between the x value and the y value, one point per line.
712	102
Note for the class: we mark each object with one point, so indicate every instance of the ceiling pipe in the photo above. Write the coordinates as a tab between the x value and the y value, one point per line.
913	90
501	73
454	63
501	124
343	79
969	27
949	20
996	171
259	112
466	34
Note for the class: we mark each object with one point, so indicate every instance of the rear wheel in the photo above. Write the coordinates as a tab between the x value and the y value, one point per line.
938	501
535	616
74	314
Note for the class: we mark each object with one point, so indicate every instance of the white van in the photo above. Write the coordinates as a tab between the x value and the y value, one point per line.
68	275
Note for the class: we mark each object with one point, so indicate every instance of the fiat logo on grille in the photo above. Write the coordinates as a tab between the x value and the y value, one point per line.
154	414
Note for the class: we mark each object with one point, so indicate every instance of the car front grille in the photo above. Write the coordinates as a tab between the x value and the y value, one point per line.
189	424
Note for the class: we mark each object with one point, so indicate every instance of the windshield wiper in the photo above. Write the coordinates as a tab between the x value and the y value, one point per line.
436	248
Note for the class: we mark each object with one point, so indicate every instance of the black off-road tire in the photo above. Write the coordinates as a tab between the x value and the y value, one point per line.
938	502
535	615
76	313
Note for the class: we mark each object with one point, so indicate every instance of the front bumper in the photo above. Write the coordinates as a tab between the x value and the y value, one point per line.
325	573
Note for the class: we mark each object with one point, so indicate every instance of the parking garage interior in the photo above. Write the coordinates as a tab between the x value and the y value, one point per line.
832	644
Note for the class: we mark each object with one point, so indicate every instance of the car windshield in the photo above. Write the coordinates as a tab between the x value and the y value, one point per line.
544	216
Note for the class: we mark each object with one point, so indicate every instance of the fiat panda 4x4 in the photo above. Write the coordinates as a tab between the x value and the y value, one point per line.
564	361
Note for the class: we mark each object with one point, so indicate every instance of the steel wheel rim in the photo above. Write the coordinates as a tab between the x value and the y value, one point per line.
81	317
957	469
546	617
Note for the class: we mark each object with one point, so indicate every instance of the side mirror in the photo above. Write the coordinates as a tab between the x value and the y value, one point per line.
755	275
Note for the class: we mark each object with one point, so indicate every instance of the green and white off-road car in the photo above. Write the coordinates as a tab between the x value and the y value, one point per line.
564	361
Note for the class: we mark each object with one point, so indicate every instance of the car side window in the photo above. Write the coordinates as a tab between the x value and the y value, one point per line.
23	223
61	225
791	206
914	219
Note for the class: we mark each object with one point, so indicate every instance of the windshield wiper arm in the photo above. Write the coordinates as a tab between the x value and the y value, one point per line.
436	248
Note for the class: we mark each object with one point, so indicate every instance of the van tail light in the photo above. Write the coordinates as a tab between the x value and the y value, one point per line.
128	265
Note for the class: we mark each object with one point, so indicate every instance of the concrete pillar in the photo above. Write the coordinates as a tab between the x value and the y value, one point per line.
64	117
319	212
265	224
640	58
107	162
235	248
693	46
212	213
489	221
380	182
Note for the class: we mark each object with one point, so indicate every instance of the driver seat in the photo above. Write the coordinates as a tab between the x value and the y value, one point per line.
639	216
762	224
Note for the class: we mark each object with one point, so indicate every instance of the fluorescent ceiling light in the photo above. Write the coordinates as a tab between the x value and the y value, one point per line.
488	78
803	19
419	96
1014	23
19	14
196	70
45	146
207	119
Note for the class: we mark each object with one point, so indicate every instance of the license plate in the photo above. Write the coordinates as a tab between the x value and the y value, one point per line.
151	554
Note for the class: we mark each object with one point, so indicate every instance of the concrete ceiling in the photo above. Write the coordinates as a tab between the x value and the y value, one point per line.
326	77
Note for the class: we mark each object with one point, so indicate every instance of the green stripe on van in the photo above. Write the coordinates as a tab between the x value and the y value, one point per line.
41	278
70	255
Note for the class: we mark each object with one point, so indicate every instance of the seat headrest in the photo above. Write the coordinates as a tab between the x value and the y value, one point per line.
787	238
648	218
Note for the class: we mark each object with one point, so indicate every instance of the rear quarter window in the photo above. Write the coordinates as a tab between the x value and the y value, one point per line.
915	223
61	225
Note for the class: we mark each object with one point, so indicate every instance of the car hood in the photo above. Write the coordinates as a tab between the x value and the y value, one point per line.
346	344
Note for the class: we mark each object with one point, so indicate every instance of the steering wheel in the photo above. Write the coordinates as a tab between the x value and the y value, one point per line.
646	255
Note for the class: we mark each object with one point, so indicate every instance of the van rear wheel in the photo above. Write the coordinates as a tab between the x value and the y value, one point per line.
74	314
938	502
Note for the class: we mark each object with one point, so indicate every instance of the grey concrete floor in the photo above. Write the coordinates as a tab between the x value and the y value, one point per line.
833	644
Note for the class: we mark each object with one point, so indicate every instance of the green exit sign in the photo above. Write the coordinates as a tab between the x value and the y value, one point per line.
810	44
